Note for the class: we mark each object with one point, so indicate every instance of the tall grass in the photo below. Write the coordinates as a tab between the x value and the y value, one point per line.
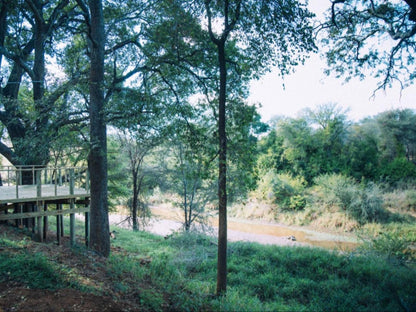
179	274
33	270
262	278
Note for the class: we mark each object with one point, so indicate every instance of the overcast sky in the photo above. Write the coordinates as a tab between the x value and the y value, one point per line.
309	87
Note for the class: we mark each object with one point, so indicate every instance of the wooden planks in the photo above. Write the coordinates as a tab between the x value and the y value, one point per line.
25	215
30	193
50	186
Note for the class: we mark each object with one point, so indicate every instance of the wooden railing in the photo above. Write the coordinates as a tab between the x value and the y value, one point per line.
56	178
41	186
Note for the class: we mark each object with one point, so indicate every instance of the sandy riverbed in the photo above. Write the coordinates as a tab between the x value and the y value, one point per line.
166	221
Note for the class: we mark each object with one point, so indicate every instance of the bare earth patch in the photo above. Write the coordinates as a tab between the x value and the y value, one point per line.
15	298
90	271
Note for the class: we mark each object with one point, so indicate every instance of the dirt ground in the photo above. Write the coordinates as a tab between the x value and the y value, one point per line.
17	297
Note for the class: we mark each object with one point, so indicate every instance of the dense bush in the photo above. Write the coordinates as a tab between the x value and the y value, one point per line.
333	189
367	205
393	246
411	199
362	202
397	170
282	189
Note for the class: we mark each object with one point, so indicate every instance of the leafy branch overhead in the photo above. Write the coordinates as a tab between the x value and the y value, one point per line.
371	38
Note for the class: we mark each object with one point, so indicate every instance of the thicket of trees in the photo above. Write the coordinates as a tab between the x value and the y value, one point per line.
171	78
323	141
279	163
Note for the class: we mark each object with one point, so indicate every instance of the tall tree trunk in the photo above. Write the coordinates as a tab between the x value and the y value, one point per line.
97	160
40	155
222	176
3	27
135	203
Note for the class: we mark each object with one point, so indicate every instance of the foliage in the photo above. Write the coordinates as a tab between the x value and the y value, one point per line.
362	150
367	204
243	129
269	278
392	246
397	134
283	189
323	141
118	190
33	270
178	274
190	168
400	169
308	146
363	202
374	38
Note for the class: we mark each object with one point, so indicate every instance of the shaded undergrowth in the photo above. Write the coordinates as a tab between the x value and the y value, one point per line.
179	274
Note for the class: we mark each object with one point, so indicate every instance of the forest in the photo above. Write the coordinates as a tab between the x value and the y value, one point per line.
278	166
152	97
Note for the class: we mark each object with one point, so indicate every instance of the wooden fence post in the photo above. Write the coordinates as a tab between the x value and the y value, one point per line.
39	220
72	206
87	214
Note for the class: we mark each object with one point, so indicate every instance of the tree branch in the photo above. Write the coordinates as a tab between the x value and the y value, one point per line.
9	154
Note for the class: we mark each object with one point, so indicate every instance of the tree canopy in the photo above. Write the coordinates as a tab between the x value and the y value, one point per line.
375	37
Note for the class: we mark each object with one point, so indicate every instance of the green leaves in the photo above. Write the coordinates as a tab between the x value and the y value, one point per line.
370	38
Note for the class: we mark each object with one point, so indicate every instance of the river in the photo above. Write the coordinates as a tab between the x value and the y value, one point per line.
165	221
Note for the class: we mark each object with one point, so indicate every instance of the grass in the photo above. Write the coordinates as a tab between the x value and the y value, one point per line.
267	278
21	266
179	274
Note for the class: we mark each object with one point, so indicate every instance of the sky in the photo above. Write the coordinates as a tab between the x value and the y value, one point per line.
309	87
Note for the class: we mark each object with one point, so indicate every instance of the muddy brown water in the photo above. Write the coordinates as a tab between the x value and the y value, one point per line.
269	233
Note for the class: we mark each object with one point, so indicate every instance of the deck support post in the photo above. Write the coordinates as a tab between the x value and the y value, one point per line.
87	227
28	190
58	226
45	222
38	207
39	229
72	226
72	206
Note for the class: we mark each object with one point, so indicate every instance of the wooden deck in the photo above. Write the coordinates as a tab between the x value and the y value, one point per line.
27	191
48	192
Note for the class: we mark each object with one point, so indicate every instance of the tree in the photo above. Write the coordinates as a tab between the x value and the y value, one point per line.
244	126
137	144
248	37
299	148
330	135
118	173
97	158
307	146
191	166
32	110
361	150
398	134
375	37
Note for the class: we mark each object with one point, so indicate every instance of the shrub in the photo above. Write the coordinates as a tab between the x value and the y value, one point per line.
333	188
411	199
367	204
297	202
391	245
363	203
399	169
282	189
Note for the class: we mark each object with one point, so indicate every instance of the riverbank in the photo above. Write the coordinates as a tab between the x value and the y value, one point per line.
165	221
